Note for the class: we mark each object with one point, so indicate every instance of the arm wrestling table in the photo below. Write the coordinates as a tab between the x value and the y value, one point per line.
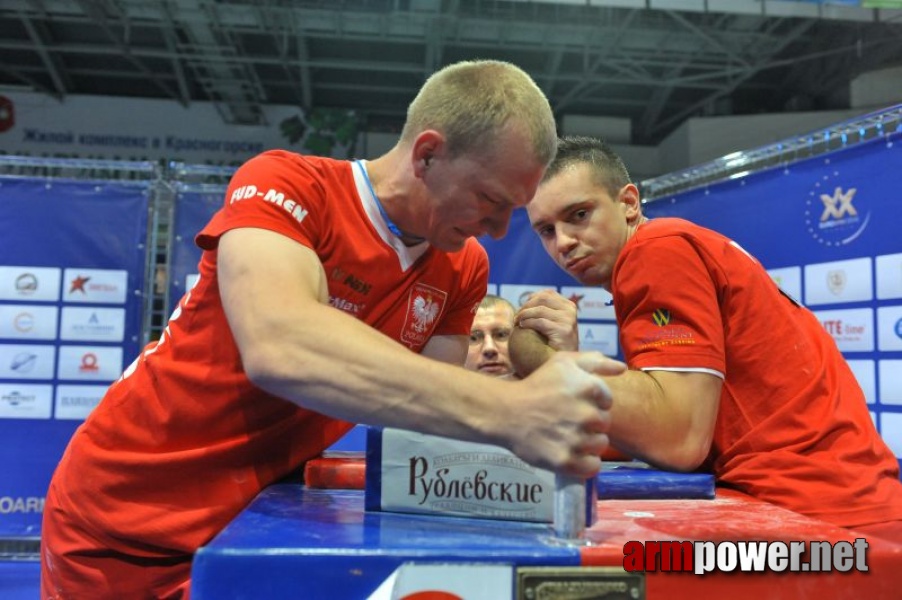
296	542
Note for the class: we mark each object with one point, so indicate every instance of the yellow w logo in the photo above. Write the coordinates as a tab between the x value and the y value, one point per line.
661	317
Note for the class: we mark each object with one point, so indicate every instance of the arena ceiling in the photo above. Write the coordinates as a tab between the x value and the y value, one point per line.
656	62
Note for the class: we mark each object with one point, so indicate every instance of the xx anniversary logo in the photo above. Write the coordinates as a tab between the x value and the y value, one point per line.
836	213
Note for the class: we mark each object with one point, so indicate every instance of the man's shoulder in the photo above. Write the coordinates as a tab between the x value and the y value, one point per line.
673	227
662	226
284	159
305	178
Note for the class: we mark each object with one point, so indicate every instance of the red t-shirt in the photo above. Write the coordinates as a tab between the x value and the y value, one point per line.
183	441
793	427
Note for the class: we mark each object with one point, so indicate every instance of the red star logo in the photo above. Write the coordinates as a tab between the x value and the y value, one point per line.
575	299
78	284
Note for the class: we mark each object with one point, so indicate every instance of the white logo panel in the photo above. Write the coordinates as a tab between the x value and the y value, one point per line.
33	284
90	363
75	402
28	322
592	302
852	329
864	373
24	401
889	328
95	286
889	276
891	431
600	338
788	279
93	324
518	294
26	361
838	282
890	381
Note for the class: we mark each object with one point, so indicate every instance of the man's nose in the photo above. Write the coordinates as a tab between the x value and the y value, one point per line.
497	223
564	241
488	346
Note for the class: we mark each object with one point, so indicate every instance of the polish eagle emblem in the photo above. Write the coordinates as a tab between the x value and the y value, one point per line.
425	306
425	310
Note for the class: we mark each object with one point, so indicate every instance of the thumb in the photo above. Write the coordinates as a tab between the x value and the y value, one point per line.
599	364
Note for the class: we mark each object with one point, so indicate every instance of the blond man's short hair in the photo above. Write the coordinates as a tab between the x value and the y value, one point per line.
470	102
490	300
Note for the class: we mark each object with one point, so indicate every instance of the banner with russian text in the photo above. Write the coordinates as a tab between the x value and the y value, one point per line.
145	129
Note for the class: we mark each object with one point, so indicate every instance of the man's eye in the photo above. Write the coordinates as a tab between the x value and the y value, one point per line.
502	335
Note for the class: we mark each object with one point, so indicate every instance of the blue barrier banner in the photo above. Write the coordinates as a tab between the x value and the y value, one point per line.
519	258
193	208
72	271
827	230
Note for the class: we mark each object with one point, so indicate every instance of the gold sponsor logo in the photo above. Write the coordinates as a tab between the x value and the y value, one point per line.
661	317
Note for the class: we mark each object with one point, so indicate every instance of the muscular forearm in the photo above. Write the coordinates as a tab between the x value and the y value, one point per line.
358	374
661	422
663	417
295	346
555	420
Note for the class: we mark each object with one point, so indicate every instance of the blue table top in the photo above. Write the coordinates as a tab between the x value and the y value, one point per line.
301	543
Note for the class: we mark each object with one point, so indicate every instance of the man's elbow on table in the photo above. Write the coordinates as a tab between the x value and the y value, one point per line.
684	457
666	418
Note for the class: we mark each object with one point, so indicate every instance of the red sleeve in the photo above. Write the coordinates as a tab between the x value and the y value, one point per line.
473	286
667	306
278	191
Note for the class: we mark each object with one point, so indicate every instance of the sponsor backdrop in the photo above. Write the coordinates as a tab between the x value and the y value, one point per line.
72	266
827	230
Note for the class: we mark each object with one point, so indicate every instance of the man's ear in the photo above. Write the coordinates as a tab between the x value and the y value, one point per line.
632	202
426	147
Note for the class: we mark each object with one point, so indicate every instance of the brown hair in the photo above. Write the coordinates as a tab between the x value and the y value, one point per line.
607	167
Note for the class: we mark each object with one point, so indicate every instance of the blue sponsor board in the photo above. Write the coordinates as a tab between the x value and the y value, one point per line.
72	272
